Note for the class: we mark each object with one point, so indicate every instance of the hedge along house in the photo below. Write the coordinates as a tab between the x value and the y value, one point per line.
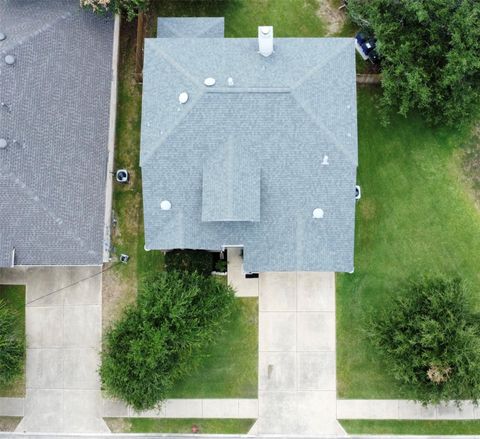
55	87
250	143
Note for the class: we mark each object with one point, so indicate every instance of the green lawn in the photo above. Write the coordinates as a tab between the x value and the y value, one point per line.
206	426
228	369
291	18
14	297
416	216
411	427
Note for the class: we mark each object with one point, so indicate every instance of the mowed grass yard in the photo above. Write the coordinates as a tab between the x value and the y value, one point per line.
412	427
14	298
416	216
290	18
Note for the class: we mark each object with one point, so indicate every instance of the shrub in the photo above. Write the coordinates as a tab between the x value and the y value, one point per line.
200	261
430	340
155	342
12	345
221	266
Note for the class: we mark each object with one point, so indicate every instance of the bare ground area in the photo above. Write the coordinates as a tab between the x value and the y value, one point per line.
118	291
9	423
331	15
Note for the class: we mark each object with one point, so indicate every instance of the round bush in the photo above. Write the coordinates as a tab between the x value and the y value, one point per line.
12	345
430	340
154	343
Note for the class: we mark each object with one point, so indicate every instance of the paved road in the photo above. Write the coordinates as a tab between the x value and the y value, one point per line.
297	387
63	342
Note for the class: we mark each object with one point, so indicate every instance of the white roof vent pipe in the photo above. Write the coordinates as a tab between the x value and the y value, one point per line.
265	40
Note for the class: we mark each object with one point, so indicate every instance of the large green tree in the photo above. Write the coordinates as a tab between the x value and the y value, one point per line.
155	341
429	338
430	53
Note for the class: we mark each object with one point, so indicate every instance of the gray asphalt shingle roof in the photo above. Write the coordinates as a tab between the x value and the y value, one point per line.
231	185
283	117
190	27
55	117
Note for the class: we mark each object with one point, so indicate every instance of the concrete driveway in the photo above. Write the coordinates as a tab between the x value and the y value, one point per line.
297	381
63	344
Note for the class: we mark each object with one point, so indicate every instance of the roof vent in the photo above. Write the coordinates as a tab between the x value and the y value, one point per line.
209	82
122	176
3	143
2	36
325	160
165	205
183	97
265	40
318	213
10	60
230	82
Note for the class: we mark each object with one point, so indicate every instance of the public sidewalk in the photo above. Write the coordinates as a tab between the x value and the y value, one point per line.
402	409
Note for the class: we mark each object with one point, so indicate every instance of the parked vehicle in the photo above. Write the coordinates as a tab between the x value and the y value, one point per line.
366	47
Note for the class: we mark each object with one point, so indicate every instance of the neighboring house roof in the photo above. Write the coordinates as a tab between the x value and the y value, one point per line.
190	27
241	161
54	114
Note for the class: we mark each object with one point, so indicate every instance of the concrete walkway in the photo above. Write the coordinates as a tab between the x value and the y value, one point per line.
63	341
236	277
188	408
297	388
403	409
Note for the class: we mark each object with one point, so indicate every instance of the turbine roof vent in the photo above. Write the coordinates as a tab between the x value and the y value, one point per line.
183	97
3	143
318	213
10	60
165	205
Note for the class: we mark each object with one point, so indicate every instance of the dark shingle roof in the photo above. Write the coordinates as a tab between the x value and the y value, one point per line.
285	115
54	116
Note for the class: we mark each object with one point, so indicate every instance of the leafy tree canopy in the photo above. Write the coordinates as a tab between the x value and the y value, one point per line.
128	8
12	345
155	341
430	340
430	53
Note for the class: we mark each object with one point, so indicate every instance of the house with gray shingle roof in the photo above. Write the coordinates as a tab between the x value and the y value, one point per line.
55	85
245	147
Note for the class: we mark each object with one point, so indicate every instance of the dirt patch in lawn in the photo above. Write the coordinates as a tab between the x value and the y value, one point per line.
118	425
9	423
118	292
333	17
